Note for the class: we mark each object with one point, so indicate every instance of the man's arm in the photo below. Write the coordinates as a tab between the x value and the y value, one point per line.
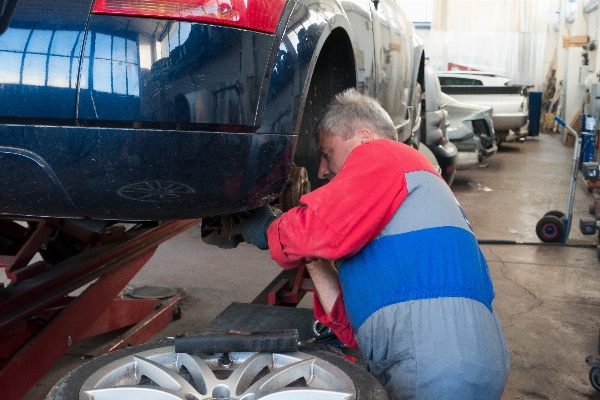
325	278
328	302
341	217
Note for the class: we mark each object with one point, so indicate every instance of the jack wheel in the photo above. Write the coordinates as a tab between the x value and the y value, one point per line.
556	213
550	229
595	378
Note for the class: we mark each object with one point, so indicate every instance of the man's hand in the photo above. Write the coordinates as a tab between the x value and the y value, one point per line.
254	229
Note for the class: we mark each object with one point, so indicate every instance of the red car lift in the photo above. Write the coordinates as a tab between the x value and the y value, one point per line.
39	320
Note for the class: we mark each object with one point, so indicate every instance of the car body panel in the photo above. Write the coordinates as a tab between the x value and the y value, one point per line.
510	112
508	102
174	119
436	117
393	60
464	121
435	124
155	70
389	73
289	72
145	174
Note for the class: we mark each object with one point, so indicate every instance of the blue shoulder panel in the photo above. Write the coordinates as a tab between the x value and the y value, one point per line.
428	263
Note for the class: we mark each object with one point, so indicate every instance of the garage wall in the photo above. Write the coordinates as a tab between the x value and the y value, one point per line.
507	37
566	62
569	66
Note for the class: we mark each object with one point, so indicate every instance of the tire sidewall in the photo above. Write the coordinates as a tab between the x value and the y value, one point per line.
366	386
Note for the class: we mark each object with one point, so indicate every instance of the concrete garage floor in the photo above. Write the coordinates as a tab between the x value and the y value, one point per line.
547	297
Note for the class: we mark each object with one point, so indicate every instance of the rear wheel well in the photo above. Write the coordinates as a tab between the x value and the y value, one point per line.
334	72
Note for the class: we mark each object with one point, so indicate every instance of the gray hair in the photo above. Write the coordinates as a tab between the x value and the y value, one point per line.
350	111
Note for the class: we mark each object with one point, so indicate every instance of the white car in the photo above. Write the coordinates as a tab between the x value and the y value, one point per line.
472	78
509	102
471	129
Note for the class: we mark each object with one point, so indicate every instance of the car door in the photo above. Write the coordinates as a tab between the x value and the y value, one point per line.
393	62
359	15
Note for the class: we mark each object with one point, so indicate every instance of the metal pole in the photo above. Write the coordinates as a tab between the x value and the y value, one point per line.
576	150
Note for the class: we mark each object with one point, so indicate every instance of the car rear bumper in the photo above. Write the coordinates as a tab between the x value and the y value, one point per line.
138	174
467	159
506	122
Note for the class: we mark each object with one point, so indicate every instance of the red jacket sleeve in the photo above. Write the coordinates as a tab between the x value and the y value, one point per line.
336	320
338	219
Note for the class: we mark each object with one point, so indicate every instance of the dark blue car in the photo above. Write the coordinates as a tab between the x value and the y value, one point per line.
172	109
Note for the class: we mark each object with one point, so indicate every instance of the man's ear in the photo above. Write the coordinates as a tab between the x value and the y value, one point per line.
365	135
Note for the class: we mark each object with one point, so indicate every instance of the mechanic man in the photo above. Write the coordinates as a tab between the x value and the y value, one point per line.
411	282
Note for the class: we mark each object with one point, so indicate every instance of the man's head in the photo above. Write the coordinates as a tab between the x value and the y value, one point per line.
350	120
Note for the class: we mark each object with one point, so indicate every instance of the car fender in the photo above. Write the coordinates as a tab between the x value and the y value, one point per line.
336	21
289	101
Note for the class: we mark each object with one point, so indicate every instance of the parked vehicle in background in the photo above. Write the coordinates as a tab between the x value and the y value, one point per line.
472	78
509	103
433	127
471	129
158	110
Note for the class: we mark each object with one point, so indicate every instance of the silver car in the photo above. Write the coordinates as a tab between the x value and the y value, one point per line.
433	128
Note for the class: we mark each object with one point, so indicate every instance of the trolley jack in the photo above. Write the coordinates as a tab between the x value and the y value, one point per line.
40	320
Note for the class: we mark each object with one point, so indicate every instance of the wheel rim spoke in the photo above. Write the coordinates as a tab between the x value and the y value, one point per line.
303	394
133	393
199	371
162	376
244	374
282	377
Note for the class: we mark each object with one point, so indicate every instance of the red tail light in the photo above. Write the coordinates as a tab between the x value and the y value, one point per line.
258	15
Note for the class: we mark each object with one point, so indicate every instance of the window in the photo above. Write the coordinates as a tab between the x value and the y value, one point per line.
40	57
420	12
570	10
115	65
175	36
590	5
454	81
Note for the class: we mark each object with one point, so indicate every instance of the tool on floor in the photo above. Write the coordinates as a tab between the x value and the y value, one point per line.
228	341
555	225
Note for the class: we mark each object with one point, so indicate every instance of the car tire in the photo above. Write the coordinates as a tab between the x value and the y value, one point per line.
550	229
595	378
121	369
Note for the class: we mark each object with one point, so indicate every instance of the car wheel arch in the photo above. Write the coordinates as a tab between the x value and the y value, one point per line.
333	69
